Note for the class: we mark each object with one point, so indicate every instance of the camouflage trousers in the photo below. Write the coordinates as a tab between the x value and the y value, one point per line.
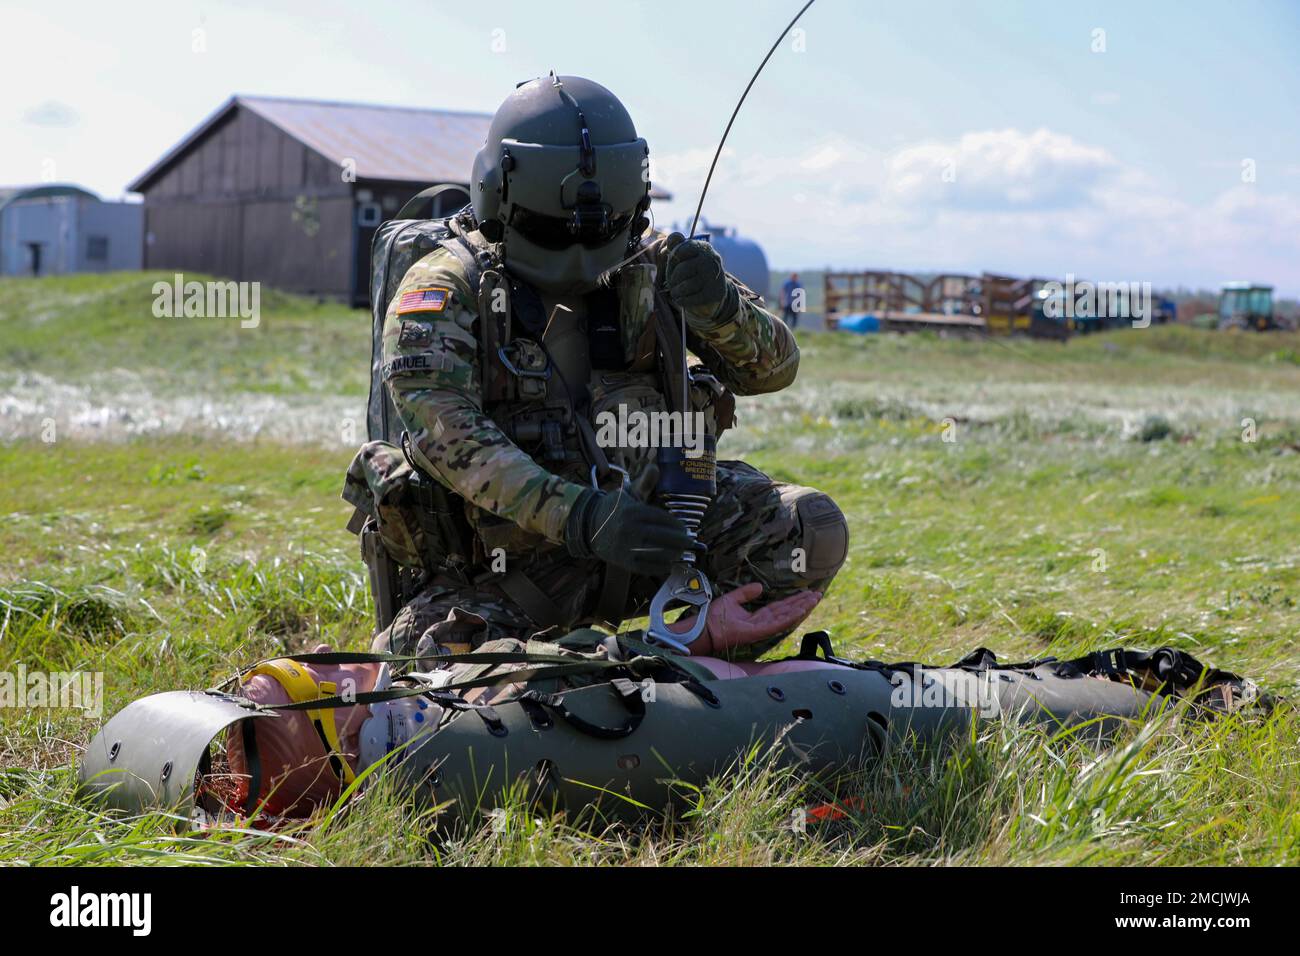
787	537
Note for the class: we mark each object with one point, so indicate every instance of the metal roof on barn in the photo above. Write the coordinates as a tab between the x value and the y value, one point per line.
398	143
386	142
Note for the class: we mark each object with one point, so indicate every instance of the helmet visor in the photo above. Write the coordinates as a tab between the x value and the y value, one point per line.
592	227
549	179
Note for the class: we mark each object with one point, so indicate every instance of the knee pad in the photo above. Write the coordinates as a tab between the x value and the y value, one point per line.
825	534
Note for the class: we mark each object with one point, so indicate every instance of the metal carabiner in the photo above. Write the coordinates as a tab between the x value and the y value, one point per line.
544	374
687	585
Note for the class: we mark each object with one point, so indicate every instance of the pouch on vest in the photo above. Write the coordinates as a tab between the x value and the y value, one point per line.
418	522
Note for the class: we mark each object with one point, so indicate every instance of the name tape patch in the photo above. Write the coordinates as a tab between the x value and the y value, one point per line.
411	364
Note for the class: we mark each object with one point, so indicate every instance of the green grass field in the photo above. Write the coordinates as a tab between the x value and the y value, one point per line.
169	509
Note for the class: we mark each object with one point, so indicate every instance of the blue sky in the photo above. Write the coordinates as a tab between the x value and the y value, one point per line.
1008	136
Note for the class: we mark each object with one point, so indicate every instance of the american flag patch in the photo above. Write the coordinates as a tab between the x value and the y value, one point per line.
423	300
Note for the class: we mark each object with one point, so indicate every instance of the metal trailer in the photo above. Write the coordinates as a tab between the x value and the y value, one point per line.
948	302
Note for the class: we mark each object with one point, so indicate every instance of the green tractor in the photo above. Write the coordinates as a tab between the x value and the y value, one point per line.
1246	305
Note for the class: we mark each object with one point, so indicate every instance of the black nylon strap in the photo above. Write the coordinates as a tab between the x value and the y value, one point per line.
612	604
672	351
531	599
523	675
701	690
537	714
335	761
615	582
373	657
378	657
627	692
249	737
495	725
459	247
1176	671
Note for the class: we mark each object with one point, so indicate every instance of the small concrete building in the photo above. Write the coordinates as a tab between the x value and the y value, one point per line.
57	228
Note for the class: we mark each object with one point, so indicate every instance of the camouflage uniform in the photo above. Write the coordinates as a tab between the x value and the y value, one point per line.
519	491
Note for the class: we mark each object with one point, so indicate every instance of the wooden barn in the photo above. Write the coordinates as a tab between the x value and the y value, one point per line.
289	192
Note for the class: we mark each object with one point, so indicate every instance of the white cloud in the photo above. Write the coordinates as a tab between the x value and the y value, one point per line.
1029	203
824	158
999	168
51	113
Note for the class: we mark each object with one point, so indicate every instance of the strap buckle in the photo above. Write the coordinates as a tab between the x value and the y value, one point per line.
1110	662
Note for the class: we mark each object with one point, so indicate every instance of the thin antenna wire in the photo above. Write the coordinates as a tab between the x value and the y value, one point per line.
707	179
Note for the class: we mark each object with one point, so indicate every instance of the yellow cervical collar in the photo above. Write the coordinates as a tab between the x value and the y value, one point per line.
300	687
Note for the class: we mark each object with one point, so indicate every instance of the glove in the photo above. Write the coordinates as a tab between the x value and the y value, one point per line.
695	282
619	530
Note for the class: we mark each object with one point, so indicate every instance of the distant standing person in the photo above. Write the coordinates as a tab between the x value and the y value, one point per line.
792	300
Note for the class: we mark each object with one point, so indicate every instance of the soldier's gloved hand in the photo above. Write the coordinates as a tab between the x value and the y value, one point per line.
619	530
695	282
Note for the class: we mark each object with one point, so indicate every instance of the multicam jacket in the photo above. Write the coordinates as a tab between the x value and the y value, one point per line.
434	366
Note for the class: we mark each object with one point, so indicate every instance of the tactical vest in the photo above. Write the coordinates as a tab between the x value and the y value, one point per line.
633	349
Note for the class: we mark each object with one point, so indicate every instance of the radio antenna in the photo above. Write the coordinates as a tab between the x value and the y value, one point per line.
709	178
688	494
686	386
